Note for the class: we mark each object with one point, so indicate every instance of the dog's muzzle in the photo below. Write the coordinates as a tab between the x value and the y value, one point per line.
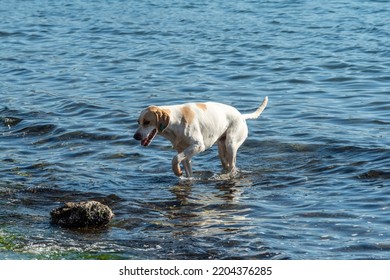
148	139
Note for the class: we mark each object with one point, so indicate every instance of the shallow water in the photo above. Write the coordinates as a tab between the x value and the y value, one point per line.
314	171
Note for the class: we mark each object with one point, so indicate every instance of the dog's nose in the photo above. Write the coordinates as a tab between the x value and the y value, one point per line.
138	136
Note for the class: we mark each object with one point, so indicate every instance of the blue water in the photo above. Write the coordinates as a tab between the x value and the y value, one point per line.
314	180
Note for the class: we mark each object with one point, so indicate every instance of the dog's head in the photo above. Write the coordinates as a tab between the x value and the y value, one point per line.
152	120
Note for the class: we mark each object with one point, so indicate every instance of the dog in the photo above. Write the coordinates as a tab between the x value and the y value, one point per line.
194	127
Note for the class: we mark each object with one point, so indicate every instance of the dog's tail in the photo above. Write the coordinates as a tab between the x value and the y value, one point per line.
257	113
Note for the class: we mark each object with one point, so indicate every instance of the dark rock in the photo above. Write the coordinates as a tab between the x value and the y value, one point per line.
82	214
10	121
375	174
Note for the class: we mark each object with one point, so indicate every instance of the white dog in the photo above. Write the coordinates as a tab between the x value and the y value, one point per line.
195	127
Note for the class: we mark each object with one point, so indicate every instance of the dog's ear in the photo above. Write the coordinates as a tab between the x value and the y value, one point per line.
163	118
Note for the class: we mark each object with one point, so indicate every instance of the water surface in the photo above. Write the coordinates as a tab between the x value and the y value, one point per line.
314	171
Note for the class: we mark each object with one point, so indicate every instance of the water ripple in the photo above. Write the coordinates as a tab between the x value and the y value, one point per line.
313	174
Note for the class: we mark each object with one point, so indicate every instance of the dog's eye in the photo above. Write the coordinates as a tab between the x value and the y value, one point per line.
146	122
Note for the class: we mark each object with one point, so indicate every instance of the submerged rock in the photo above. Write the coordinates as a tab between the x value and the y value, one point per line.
10	121
82	214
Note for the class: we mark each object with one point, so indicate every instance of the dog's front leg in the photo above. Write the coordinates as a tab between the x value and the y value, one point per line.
187	167
185	157
176	165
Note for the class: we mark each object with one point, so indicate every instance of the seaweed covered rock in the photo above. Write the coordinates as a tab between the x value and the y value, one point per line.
82	214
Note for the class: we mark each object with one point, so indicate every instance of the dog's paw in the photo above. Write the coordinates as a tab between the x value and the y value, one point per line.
176	167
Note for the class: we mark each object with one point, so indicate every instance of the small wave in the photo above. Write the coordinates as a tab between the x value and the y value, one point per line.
76	135
73	108
11	34
365	249
335	65
340	79
210	176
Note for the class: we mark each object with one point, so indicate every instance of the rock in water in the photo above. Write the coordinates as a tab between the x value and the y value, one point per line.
10	121
82	214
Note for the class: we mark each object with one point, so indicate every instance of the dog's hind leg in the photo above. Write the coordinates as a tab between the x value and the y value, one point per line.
222	152
235	136
231	155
